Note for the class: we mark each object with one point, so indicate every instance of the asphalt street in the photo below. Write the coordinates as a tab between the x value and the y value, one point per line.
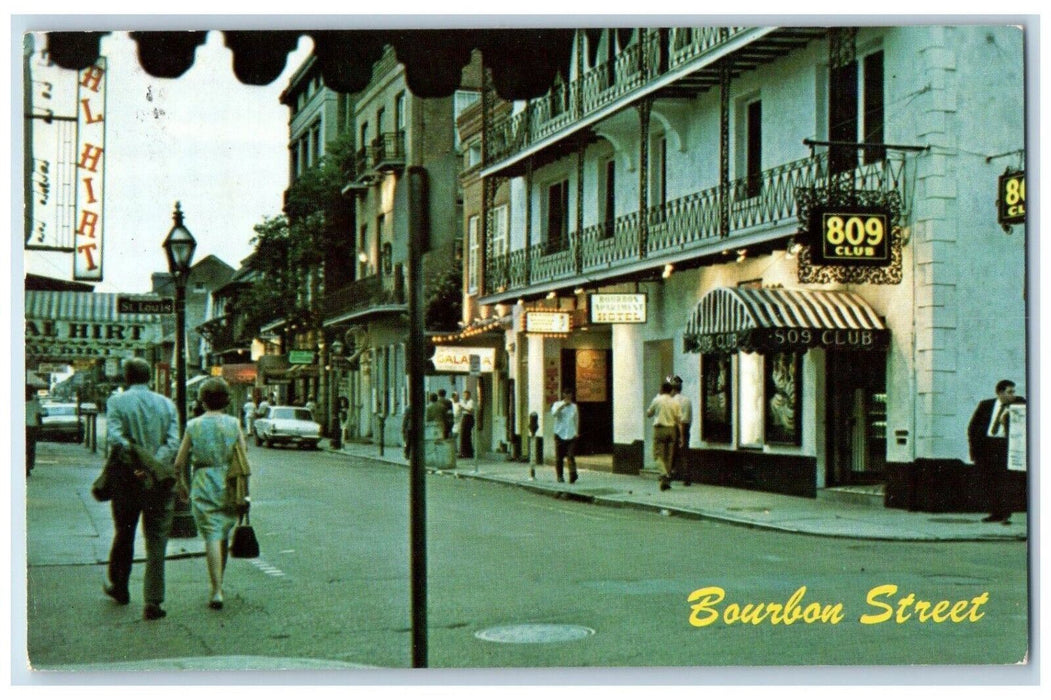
517	579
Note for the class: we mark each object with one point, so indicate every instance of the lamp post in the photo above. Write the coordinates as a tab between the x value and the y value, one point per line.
179	246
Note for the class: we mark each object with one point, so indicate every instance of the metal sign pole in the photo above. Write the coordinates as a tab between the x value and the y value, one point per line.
418	243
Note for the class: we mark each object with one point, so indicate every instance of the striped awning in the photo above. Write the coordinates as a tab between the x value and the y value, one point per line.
68	325
773	320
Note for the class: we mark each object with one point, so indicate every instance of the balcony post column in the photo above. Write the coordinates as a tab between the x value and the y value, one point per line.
724	152
644	108
527	272
486	249
578	253
576	84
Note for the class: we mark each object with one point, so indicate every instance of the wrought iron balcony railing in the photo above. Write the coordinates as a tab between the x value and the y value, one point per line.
356	298
363	162
388	151
637	65
692	222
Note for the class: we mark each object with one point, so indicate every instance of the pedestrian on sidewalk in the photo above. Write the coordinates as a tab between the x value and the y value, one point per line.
566	430
208	445
467	426
149	420
457	413
680	466
664	410
449	407
33	422
406	431
264	406
249	414
436	412
987	439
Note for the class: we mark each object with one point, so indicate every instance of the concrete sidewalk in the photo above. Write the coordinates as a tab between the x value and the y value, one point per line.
67	524
738	506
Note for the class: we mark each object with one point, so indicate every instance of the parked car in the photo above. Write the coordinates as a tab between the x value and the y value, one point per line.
287	424
60	421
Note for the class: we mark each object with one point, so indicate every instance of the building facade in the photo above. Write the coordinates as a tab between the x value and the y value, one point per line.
205	276
799	222
291	354
395	131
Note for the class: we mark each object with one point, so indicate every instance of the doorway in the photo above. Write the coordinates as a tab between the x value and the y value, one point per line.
856	417
589	371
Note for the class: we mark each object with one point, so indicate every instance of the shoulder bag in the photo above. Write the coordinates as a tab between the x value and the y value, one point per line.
237	479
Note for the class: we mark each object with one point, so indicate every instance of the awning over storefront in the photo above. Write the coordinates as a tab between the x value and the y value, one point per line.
271	369
65	325
242	373
776	320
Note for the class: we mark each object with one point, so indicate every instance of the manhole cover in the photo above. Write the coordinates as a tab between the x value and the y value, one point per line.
534	633
749	509
953	521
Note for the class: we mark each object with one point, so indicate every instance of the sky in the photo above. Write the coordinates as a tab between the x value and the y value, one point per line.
216	146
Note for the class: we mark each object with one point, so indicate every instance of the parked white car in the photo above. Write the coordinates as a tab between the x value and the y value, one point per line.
287	424
60	421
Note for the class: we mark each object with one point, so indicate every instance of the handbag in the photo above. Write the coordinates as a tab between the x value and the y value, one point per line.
244	544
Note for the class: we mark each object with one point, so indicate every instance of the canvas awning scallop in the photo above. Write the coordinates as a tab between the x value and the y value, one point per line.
776	320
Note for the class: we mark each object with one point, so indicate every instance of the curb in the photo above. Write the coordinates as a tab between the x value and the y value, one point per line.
670	510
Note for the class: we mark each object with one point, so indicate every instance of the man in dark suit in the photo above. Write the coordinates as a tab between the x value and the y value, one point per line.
987	438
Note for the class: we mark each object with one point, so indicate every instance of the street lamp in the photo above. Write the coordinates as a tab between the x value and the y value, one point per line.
179	246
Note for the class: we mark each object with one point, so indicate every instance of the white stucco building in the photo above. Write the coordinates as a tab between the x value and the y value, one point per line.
709	169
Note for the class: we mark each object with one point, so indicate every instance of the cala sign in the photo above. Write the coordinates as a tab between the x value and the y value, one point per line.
449	358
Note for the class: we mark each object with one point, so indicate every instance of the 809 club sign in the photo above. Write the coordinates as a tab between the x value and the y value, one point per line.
849	236
853	235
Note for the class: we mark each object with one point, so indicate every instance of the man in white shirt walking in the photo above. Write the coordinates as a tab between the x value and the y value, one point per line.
566	430
679	466
664	410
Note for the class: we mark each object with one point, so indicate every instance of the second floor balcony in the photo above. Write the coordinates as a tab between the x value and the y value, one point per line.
373	295
226	333
384	153
676	62
388	151
697	224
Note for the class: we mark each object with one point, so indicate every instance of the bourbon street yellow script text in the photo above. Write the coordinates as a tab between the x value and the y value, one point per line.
884	604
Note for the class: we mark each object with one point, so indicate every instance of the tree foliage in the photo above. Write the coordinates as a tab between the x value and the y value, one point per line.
443	299
292	249
276	280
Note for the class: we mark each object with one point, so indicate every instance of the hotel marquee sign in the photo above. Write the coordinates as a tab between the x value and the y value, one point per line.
617	308
547	322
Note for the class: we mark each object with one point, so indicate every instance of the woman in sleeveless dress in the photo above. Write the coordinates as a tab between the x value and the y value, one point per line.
208	446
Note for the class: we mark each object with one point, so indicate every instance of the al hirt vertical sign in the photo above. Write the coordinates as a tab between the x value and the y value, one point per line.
91	147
